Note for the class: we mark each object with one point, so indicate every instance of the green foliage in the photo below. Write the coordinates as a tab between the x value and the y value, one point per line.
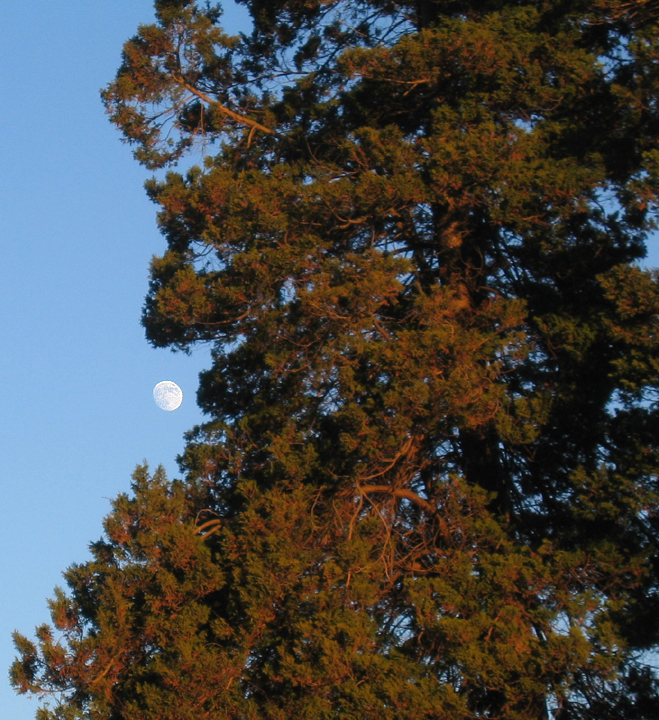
428	484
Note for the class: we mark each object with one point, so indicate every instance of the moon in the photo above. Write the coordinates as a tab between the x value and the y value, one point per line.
168	395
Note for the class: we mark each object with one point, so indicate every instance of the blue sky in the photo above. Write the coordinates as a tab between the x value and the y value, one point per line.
76	237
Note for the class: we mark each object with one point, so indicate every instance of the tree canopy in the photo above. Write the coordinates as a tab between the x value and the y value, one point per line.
428	484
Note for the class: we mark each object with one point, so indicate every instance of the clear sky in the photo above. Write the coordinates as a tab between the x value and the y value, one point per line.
76	236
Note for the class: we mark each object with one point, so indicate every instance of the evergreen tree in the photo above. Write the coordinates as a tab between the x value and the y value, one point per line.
428	484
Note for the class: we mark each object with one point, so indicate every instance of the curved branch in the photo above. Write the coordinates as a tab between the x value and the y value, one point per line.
215	524
224	109
401	493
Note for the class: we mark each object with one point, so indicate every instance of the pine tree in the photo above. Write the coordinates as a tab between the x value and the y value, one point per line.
428	484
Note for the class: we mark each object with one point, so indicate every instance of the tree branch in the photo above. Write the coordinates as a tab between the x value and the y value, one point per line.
401	493
223	108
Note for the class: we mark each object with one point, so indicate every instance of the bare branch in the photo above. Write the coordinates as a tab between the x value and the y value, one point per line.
398	492
223	108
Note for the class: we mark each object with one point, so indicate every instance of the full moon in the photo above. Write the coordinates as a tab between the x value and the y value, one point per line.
168	395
